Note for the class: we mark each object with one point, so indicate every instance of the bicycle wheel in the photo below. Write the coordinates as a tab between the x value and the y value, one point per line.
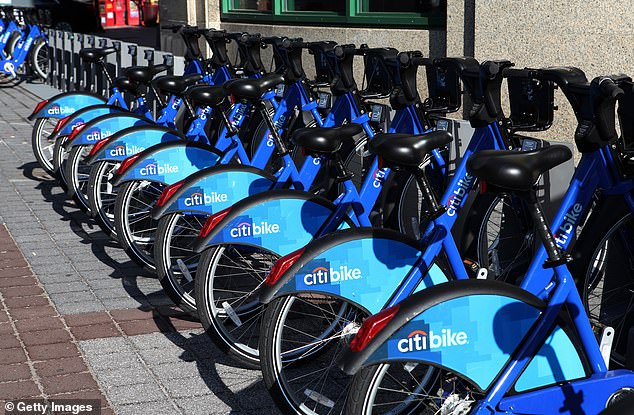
77	174
227	277
176	263
102	196
136	229
604	265
60	156
301	341
409	388
42	144
38	58
506	240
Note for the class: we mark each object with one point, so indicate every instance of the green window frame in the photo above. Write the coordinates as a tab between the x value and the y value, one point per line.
355	16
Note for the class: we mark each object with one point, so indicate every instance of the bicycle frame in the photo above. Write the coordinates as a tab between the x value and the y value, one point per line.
21	52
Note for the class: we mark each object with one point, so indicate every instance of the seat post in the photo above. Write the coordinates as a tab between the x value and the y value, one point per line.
102	63
281	147
435	210
555	256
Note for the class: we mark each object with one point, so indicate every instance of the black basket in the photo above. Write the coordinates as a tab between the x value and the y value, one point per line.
532	104
445	93
325	65
380	72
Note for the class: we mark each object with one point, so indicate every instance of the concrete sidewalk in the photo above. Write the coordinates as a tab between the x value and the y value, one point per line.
78	319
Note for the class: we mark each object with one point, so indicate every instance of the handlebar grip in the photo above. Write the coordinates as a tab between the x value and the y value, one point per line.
342	50
293	43
610	89
250	38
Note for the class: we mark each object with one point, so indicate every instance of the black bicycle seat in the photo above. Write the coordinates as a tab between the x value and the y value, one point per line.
206	95
253	89
408	150
516	170
462	64
124	84
325	140
92	55
564	75
144	74
176	85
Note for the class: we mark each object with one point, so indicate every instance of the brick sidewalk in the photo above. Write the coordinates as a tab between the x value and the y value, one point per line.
79	319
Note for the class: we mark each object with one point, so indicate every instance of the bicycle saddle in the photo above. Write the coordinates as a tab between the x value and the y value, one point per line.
325	140
253	89
176	85
564	75
465	64
144	74
516	170
125	85
408	150
92	55
206	95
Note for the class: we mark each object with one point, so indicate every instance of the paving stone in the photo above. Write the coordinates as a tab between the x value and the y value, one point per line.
18	390
100	347
206	405
80	307
33	338
69	383
109	379
39	323
56	367
148	392
118	361
73	297
20	371
156	408
66	287
95	331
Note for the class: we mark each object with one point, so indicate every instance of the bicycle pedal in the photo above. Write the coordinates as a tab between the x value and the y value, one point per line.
607	339
232	314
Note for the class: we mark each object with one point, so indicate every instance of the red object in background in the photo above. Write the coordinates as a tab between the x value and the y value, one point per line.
119	13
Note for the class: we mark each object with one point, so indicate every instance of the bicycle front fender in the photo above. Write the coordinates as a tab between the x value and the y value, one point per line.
65	104
105	126
131	141
364	266
168	163
471	328
85	115
279	221
214	189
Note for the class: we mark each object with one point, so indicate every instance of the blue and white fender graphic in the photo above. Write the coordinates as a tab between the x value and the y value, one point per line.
65	105
171	164
219	191
366	271
278	225
99	130
475	336
86	115
124	145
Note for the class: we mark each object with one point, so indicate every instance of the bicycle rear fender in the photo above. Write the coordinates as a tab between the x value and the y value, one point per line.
85	115
105	126
364	266
215	188
65	104
471	328
131	141
279	221
168	163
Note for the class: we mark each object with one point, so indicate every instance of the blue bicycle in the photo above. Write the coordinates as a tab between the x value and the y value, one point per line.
482	347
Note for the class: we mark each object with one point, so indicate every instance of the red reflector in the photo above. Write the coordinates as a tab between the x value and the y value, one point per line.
76	131
212	221
381	163
60	124
232	98
39	106
168	192
126	163
98	146
371	327
483	186
282	265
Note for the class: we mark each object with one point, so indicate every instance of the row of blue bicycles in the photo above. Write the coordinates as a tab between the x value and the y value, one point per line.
325	232
23	47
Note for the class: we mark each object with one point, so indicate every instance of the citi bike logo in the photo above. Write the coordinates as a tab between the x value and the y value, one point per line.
419	340
60	110
379	176
323	275
204	113
122	150
278	124
246	229
568	226
459	193
152	169
235	121
176	103
199	198
97	135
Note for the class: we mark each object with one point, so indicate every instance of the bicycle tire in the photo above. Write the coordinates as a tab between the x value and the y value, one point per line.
77	177
42	145
38	58
102	201
59	162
